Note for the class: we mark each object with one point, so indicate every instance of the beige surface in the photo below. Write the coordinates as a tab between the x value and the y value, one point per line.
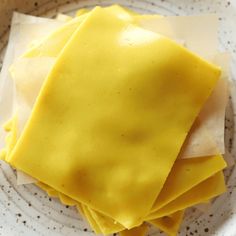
24	6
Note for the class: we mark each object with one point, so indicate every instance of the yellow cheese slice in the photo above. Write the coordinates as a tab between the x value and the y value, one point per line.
3	154
138	231
169	224
54	42
70	202
206	190
11	138
144	127
185	174
106	224
67	200
153	25
53	193
196	134
38	66
29	74
87	215
50	191
98	222
195	146
198	143
102	224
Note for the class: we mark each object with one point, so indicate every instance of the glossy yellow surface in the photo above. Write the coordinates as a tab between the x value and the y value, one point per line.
106	224
108	114
53	193
206	190
186	174
169	224
52	45
183	172
87	214
11	138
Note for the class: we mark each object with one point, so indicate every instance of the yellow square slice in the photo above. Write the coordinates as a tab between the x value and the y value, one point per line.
108	120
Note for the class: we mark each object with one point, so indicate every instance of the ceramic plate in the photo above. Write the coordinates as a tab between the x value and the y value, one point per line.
26	210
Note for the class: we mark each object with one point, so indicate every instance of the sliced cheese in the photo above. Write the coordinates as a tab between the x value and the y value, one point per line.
185	174
196	144
11	138
144	127
169	224
53	43
87	214
50	191
203	192
106	224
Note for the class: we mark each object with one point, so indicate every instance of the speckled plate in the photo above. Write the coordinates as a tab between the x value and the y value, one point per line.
26	210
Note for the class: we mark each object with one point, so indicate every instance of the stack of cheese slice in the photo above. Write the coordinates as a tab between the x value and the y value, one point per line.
119	120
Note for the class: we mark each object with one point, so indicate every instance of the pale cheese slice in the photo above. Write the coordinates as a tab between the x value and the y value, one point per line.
63	17
24	29
202	40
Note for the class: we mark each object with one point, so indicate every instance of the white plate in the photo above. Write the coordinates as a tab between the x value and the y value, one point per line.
28	211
